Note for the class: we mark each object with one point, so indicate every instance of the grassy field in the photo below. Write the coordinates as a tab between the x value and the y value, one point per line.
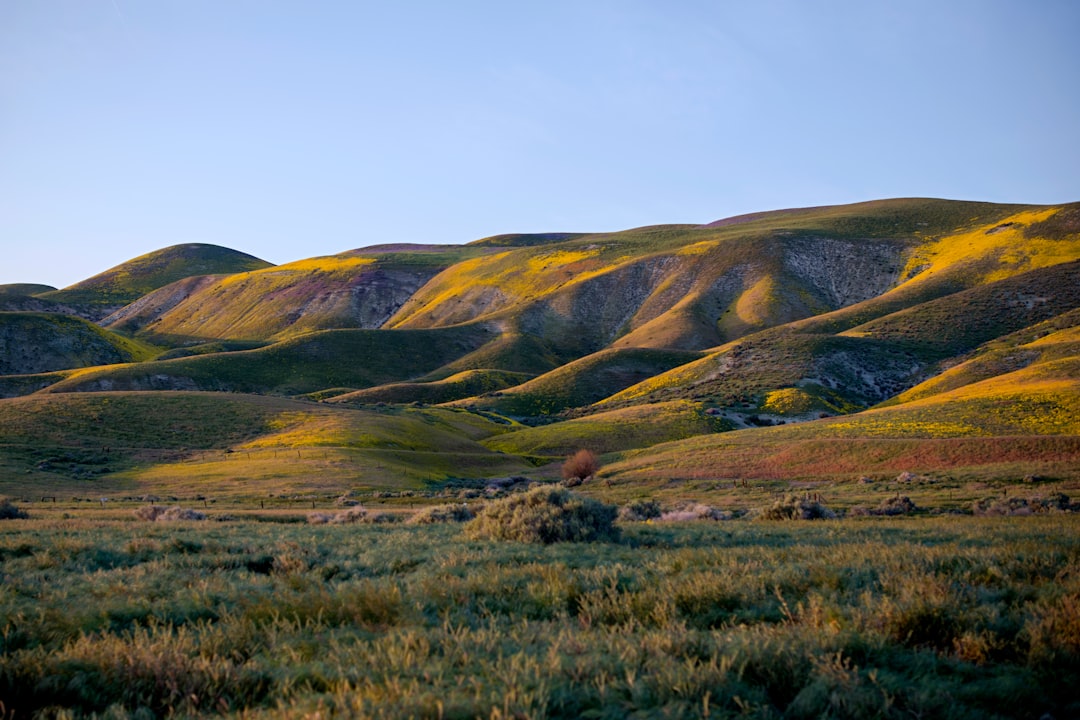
957	617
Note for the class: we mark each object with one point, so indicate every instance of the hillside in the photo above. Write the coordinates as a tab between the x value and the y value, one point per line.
24	289
41	342
328	359
358	289
234	445
798	345
127	282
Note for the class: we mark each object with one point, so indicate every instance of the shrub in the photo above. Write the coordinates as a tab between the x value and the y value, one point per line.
580	466
148	513
545	515
160	513
797	508
898	505
442	513
695	511
179	513
639	511
10	512
350	515
1001	506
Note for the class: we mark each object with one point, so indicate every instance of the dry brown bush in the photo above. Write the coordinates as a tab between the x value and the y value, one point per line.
580	466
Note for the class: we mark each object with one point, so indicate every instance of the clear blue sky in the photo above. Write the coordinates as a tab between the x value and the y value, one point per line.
293	129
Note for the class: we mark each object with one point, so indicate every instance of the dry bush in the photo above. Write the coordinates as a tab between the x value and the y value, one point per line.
353	514
1001	506
898	505
148	513
640	511
10	512
580	466
793	507
160	513
695	511
384	518
442	514
319	518
545	515
179	513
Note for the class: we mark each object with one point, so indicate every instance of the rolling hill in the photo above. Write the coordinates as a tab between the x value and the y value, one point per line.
795	345
33	342
360	289
109	290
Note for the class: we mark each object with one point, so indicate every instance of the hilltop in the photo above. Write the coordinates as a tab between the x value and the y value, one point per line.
805	344
127	282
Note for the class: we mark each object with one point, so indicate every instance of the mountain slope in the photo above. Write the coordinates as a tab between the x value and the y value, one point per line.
866	363
693	287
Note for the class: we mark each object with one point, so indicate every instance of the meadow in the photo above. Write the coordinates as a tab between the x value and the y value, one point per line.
260	615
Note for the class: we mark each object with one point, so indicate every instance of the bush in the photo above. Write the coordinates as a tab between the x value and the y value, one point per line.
639	511
545	515
580	466
160	513
695	511
10	512
898	505
797	508
442	513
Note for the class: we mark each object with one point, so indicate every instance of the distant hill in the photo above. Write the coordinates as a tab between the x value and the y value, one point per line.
24	289
360	289
129	281
786	345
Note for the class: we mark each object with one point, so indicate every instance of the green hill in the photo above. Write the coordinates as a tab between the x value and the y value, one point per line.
461	385
43	342
25	289
224	444
129	281
618	430
1010	425
583	382
795	371
912	334
316	361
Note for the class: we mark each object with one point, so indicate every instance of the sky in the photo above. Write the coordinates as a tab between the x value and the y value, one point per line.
293	129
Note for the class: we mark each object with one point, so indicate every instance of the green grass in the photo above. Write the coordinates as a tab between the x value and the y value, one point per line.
928	617
585	381
465	384
230	445
326	359
618	430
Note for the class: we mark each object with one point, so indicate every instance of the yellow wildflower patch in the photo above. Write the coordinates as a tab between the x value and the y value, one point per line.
788	401
1003	242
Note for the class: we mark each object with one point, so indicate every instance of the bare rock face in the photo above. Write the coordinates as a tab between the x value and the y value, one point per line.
843	272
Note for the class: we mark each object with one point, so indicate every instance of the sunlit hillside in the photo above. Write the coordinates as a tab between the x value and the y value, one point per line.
131	280
808	345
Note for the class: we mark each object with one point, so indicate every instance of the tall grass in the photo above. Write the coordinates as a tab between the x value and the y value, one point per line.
875	617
